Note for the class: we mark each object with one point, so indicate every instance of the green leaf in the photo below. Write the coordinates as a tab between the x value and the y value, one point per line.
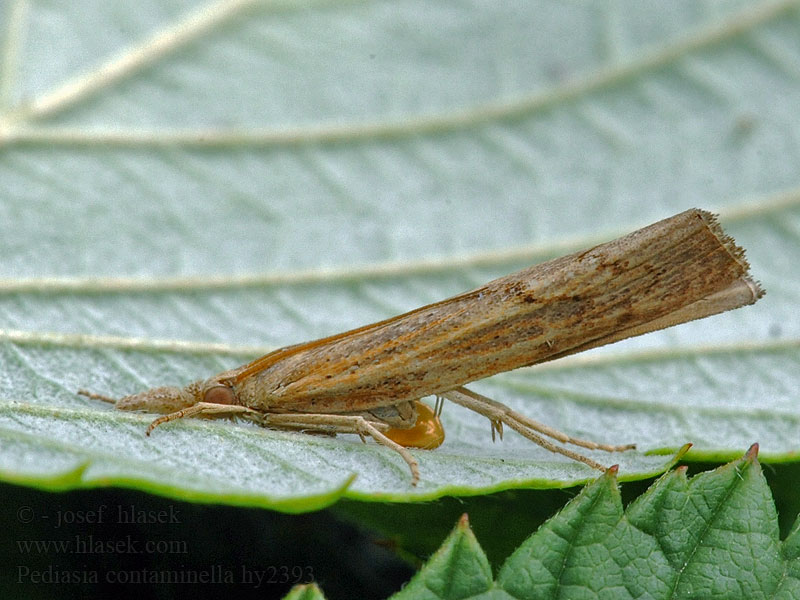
459	569
209	182
790	551
712	536
305	592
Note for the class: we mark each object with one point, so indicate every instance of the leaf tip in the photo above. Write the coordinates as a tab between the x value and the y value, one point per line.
752	452
463	522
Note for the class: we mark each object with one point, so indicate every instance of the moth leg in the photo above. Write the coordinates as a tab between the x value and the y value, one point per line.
438	406
342	424
540	427
201	408
499	414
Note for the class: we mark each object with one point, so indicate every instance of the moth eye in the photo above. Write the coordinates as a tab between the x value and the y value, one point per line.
219	394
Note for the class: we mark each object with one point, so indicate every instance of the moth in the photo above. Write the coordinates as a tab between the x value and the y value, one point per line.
368	381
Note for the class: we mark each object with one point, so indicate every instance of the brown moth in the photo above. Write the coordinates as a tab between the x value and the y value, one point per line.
368	380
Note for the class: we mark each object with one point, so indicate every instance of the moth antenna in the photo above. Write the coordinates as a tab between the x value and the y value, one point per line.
94	396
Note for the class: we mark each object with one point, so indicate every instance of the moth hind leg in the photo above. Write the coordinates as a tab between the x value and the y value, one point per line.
499	414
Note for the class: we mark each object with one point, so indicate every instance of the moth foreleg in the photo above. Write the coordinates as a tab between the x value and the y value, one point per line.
342	424
499	413
201	408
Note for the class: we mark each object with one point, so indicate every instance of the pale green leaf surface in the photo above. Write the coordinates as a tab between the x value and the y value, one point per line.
183	186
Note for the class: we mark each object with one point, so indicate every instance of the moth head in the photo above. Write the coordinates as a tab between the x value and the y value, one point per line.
171	399
161	399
